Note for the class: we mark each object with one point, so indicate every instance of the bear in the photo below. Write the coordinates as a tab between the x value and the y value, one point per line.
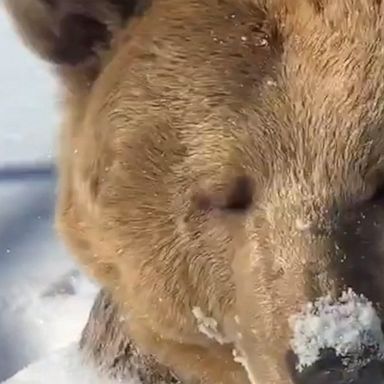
106	347
220	166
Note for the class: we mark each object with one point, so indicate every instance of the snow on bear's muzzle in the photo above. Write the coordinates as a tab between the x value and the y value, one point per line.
338	342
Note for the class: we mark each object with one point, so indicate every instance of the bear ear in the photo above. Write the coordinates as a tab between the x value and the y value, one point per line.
70	32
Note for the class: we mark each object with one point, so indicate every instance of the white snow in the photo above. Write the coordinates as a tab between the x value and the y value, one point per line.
349	326
240	358
208	326
66	366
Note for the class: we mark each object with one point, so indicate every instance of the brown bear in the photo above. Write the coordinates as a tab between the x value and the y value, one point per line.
221	166
106	347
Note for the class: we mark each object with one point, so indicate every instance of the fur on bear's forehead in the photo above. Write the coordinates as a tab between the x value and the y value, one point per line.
296	82
316	89
272	86
329	84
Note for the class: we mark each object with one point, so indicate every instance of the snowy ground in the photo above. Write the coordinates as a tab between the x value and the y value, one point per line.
35	319
65	366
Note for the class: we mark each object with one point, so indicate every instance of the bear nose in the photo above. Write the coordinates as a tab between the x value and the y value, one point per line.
330	369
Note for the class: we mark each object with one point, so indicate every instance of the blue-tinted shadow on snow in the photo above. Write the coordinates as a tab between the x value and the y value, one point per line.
33	213
26	172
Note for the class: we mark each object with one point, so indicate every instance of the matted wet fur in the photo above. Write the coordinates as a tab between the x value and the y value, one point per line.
105	342
221	165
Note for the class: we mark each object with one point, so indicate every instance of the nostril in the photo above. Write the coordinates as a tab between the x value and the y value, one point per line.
373	373
330	369
327	370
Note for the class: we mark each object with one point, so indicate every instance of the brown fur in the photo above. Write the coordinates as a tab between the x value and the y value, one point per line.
105	343
222	155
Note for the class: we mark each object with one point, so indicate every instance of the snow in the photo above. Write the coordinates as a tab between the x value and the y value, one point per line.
65	366
44	300
350	326
240	358
208	325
